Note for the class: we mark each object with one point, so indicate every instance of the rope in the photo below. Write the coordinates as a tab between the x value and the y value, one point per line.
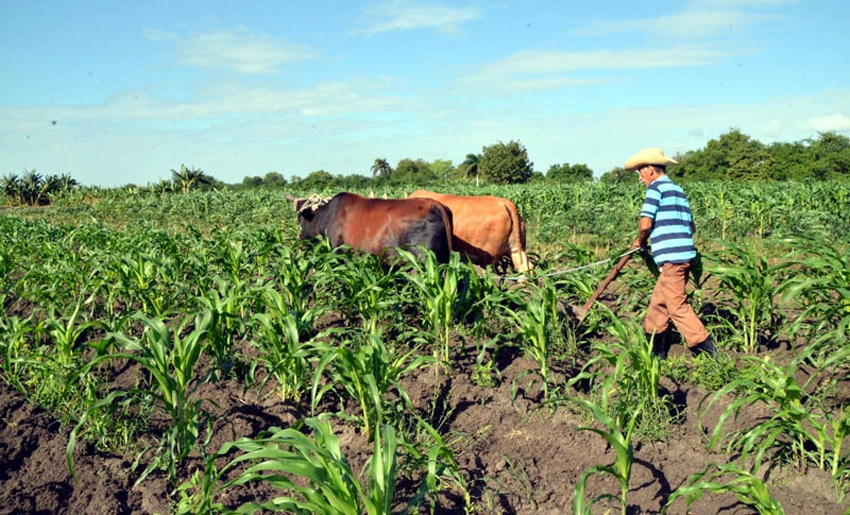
576	269
312	203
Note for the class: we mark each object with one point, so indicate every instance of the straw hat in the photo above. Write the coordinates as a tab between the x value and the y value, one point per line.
649	156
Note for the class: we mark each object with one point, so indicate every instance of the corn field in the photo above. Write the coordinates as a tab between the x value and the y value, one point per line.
191	355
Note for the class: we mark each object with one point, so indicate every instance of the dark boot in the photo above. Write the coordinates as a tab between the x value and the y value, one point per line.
706	347
660	344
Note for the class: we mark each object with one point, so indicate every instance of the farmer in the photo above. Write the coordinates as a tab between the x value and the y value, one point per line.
666	220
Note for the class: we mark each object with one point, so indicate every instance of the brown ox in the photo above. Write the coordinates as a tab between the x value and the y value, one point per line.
485	228
378	226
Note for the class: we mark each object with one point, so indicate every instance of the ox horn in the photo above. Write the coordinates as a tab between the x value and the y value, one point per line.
294	200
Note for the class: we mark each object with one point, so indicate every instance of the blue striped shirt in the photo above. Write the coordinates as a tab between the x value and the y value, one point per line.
672	236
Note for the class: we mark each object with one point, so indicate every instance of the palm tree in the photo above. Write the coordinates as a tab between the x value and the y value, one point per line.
11	189
381	167
470	164
31	185
189	178
162	187
66	182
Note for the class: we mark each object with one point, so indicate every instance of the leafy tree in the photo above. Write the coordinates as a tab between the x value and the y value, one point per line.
352	182
252	182
408	171
274	180
441	169
749	162
831	156
712	162
618	174
318	180
505	163
790	161
565	173
381	168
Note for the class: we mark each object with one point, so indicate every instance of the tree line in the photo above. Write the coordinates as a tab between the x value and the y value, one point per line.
733	156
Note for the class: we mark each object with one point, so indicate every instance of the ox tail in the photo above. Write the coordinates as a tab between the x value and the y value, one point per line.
516	241
448	221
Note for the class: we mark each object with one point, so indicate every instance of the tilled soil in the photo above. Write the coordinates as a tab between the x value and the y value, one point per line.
518	457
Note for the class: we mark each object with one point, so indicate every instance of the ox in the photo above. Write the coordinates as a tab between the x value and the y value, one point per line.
485	228
377	225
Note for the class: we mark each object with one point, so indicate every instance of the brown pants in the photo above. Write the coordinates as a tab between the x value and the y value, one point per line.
668	302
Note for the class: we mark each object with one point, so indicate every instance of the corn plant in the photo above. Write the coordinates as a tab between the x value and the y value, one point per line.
138	274
284	342
363	290
799	422
753	285
749	489
621	469
278	456
14	342
822	287
539	326
425	449
66	334
437	289
228	303
625	376
366	372
170	359
294	267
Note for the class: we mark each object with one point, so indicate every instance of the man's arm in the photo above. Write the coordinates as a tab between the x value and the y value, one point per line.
644	228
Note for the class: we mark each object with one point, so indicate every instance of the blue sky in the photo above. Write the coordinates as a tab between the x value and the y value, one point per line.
122	92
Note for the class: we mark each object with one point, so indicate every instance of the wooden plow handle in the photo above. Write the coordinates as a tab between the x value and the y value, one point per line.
611	276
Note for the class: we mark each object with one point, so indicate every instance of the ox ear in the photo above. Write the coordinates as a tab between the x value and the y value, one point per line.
386	197
371	193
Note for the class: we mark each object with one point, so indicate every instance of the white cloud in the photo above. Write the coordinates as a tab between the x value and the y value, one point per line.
773	128
407	15
692	24
534	69
835	122
238	50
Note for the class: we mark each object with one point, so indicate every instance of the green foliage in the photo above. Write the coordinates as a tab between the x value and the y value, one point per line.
381	168
170	359
749	489
188	179
621	469
802	428
366	371
539	325
752	285
412	171
505	163
130	262
33	189
566	173
278	455
736	156
822	288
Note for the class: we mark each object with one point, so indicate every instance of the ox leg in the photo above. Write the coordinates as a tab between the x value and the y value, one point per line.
520	261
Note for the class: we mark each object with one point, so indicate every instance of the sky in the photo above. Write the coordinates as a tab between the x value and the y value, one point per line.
118	93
